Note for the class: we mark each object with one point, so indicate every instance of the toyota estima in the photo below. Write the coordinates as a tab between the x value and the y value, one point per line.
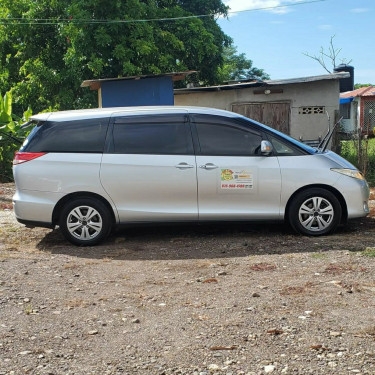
89	170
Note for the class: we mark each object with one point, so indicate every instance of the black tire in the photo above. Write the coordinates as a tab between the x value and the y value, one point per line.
315	212
85	221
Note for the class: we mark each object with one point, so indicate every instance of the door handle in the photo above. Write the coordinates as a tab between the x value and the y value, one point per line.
208	166
184	166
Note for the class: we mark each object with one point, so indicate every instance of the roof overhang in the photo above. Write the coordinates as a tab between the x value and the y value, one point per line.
333	76
346	100
95	84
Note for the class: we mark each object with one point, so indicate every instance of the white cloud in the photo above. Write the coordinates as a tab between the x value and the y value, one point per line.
360	10
275	6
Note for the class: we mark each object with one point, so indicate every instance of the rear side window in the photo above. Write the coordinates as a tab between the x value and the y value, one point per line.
68	136
160	136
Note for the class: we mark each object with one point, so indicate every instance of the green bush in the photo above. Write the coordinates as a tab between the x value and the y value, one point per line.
349	151
11	136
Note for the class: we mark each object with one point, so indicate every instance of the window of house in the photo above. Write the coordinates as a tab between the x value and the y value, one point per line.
311	110
345	110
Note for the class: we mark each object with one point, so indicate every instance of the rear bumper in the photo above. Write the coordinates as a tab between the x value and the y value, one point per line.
34	208
33	224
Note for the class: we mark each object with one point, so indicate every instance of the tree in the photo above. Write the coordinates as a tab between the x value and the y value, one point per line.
11	135
332	55
238	67
48	47
360	85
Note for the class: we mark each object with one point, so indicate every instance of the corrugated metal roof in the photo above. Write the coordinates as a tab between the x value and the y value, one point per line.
363	91
176	76
279	82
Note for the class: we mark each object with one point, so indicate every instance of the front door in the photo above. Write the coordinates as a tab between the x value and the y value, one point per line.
235	182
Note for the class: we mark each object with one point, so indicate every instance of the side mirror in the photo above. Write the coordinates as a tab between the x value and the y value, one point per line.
266	148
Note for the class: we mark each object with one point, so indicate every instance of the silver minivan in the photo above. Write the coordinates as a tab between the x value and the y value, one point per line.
89	170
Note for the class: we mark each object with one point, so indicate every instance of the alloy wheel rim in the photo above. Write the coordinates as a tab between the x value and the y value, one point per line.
84	223
316	214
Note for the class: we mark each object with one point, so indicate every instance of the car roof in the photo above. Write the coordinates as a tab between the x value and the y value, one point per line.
82	114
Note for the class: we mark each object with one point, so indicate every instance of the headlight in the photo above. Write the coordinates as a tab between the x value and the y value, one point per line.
349	172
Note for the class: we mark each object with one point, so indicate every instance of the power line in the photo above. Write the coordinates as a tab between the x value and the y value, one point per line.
51	21
279	6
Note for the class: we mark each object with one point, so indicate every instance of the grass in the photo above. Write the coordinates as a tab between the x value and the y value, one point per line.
349	152
29	309
318	255
369	252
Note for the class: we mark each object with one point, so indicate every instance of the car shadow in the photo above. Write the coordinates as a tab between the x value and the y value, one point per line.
207	241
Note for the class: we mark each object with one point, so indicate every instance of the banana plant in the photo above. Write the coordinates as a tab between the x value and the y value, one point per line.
11	135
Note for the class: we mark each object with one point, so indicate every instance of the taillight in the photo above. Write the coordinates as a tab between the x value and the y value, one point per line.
22	157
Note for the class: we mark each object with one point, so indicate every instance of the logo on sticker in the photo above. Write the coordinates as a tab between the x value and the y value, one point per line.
226	175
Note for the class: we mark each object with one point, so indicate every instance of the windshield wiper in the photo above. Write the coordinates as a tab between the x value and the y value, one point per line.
26	124
15	139
12	137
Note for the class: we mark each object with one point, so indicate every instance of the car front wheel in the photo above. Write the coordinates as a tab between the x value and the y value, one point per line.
85	221
315	212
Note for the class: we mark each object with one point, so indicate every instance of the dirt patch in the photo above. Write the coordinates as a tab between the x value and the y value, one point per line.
226	299
263	267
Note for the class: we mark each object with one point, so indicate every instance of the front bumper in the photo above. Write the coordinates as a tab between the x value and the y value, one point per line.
356	194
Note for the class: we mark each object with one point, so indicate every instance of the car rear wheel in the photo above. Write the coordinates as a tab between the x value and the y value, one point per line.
315	212
85	221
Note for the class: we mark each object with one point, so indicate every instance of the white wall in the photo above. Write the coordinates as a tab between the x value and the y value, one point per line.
320	93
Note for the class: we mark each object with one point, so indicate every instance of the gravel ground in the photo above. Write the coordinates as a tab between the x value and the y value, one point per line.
202	300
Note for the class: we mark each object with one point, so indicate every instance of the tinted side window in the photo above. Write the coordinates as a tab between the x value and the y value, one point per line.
227	139
68	136
159	138
283	148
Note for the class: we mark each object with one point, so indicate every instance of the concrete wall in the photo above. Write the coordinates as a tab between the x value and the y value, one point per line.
308	126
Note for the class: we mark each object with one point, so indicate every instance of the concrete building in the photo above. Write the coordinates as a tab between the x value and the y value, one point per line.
297	107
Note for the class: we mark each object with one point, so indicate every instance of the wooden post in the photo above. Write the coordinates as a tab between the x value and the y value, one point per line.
336	145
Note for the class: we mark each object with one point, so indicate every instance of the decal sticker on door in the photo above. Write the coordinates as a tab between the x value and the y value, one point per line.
236	179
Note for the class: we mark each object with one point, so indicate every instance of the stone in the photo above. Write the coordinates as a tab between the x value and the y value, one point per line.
269	369
335	334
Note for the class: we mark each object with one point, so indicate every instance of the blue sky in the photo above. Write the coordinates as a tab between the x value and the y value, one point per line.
276	39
